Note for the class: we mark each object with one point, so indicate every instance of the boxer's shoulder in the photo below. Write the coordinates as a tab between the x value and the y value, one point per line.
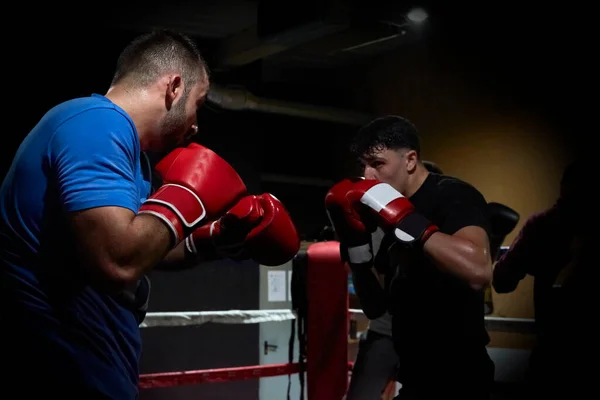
450	188
445	182
94	111
92	123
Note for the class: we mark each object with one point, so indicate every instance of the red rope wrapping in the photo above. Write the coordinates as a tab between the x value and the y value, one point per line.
167	379
327	323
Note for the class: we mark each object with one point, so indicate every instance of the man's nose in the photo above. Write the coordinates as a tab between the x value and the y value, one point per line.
370	173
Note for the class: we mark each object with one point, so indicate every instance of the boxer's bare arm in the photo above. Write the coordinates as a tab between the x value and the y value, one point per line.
465	254
175	259
118	246
179	258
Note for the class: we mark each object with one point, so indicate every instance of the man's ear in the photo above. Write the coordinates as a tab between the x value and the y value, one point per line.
174	90
412	159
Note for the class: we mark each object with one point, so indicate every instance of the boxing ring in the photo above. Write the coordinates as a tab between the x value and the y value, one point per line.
322	365
322	320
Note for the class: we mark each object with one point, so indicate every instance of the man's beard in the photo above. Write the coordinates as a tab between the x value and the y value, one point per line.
173	125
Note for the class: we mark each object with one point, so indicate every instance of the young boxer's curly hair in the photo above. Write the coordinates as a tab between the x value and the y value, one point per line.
154	54
389	132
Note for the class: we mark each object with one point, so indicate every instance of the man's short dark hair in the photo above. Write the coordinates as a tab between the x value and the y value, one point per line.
390	132
154	54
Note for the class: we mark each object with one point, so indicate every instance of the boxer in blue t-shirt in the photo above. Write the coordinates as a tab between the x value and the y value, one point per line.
80	228
74	248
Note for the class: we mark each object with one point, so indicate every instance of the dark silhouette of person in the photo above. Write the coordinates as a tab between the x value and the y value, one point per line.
554	246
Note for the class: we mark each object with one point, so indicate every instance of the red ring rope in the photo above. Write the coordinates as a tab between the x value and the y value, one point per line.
167	379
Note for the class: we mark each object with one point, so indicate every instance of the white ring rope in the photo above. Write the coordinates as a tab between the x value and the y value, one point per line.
170	319
218	317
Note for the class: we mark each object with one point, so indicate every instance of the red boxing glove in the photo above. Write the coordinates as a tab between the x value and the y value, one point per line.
257	227
352	231
198	186
393	211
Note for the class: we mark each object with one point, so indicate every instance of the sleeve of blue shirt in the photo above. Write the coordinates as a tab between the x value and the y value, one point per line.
93	157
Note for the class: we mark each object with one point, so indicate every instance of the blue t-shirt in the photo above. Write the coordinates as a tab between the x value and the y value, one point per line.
84	153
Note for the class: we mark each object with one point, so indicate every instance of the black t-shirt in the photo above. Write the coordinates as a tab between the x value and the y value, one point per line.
434	312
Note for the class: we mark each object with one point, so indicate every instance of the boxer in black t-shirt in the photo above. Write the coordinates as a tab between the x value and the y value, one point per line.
435	257
376	360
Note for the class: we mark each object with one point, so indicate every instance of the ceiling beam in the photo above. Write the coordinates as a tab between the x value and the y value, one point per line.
281	26
244	48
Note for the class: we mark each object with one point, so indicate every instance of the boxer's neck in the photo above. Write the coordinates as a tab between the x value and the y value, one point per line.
138	105
416	180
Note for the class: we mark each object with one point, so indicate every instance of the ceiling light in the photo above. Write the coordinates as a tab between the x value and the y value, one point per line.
417	15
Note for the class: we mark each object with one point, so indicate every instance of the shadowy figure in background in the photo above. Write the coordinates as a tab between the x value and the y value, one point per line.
554	246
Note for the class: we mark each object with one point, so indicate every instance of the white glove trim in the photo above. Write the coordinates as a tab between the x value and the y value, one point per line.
174	209
167	223
190	245
380	196
403	236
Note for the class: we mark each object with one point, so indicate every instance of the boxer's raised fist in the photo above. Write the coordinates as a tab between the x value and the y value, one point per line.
352	229
257	227
198	186
394	212
346	219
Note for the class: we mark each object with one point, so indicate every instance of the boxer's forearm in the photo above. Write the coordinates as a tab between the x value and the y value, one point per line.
180	258
369	291
176	259
511	268
505	280
144	242
461	257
